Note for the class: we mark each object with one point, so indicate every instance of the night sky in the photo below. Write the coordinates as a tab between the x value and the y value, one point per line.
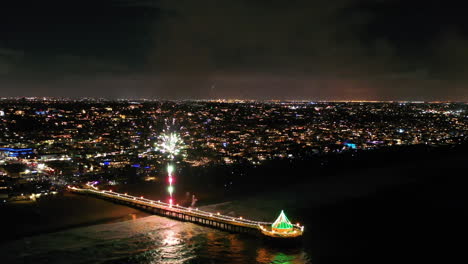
246	49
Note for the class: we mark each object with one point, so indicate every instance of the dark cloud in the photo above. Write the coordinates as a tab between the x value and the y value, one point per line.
8	60
342	49
254	35
313	49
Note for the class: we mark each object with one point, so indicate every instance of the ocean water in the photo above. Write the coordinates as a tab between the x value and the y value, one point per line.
405	214
151	239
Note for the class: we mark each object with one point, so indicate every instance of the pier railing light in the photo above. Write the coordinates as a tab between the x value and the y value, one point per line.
295	229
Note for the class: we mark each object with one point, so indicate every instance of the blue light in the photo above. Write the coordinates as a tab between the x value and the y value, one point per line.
350	145
15	150
12	152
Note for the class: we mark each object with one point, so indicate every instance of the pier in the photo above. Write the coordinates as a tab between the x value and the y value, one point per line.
216	220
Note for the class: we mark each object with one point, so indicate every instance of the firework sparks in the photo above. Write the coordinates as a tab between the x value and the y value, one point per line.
170	144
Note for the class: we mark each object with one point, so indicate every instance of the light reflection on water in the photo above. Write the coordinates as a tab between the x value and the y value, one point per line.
151	239
265	255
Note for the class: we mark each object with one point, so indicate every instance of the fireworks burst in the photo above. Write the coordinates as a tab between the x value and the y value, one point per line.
170	144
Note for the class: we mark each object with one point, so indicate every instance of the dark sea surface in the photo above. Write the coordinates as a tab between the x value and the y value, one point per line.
410	212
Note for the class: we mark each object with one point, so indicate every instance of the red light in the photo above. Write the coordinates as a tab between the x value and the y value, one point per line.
170	180
170	201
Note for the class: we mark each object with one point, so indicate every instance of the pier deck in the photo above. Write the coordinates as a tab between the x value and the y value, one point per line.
217	220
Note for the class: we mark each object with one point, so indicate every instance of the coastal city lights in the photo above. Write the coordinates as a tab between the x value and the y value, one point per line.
59	143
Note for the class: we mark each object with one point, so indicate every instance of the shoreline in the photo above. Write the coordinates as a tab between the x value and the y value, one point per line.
72	211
